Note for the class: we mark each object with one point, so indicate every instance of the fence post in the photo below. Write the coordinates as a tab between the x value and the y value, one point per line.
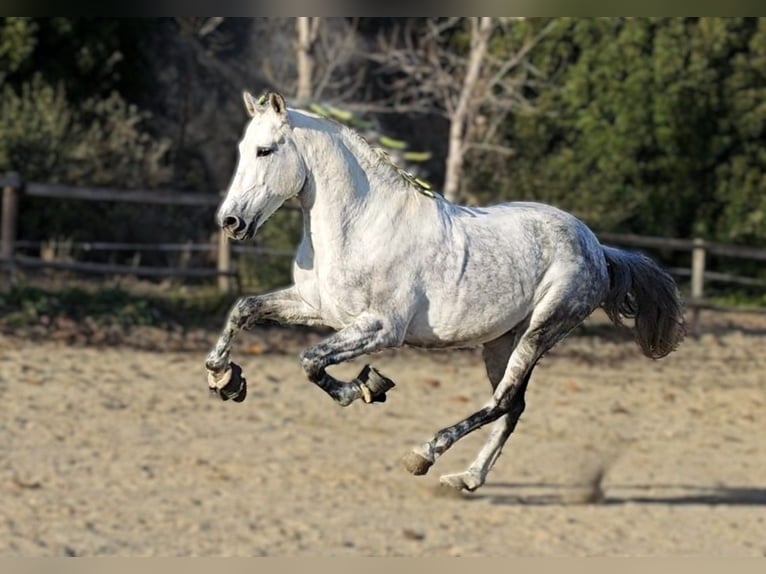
224	262
698	283
8	230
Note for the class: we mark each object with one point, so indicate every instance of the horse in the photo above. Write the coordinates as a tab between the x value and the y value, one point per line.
385	262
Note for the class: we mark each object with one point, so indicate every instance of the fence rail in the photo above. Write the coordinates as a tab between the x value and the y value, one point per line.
14	187
725	250
699	274
225	272
153	196
166	247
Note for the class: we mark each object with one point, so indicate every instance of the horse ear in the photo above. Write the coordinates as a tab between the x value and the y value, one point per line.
250	104
277	103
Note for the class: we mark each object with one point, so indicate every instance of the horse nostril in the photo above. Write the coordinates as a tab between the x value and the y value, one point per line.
233	222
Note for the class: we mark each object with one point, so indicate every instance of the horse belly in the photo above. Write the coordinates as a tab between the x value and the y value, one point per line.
466	323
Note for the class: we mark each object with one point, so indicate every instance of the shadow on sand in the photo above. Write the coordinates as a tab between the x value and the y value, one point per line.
670	494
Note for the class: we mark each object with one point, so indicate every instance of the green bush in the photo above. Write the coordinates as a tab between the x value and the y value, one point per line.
101	142
646	125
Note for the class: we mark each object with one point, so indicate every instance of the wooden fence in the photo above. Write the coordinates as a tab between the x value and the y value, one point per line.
698	273
14	188
225	271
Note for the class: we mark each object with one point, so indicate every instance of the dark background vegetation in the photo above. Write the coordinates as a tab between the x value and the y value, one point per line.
654	126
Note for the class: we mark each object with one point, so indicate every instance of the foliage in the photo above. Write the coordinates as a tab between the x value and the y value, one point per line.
17	42
64	110
56	131
91	57
737	297
99	142
647	125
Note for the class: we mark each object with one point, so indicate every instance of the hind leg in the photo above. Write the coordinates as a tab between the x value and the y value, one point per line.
496	355
502	428
550	322
521	361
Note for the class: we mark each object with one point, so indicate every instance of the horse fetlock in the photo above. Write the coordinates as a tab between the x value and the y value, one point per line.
344	400
373	385
342	393
218	377
216	363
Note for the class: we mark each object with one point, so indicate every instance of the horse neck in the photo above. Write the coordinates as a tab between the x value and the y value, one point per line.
349	188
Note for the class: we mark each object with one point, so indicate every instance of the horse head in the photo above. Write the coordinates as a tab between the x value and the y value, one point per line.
270	169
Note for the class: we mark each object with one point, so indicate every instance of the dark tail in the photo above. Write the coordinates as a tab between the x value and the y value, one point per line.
639	289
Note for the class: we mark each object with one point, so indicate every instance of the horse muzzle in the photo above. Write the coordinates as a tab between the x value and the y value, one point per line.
237	228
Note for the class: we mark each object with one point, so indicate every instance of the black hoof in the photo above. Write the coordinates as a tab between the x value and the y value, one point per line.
374	385
236	388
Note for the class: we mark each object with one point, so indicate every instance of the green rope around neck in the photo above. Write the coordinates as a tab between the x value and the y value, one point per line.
420	185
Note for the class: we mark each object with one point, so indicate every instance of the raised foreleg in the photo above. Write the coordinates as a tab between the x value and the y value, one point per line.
283	306
367	335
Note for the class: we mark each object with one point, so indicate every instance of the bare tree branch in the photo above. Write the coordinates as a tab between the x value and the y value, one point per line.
519	58
474	91
209	26
494	148
481	29
337	49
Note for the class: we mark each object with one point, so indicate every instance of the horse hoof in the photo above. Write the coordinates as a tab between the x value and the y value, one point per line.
236	388
416	463
373	385
218	379
242	392
461	481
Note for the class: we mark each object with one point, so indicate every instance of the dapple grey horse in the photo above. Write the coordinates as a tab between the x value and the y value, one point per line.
385	262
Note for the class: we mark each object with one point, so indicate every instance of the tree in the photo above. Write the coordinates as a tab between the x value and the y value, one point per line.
740	180
309	58
307	29
465	108
447	66
651	125
56	130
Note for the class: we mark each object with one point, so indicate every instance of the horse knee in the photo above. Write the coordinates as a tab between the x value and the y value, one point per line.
244	312
311	363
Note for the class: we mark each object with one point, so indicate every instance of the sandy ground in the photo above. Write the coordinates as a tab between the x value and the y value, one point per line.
118	451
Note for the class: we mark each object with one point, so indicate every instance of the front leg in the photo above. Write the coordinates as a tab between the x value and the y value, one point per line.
367	335
283	306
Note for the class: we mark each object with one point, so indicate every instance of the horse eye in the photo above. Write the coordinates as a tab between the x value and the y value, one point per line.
264	151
